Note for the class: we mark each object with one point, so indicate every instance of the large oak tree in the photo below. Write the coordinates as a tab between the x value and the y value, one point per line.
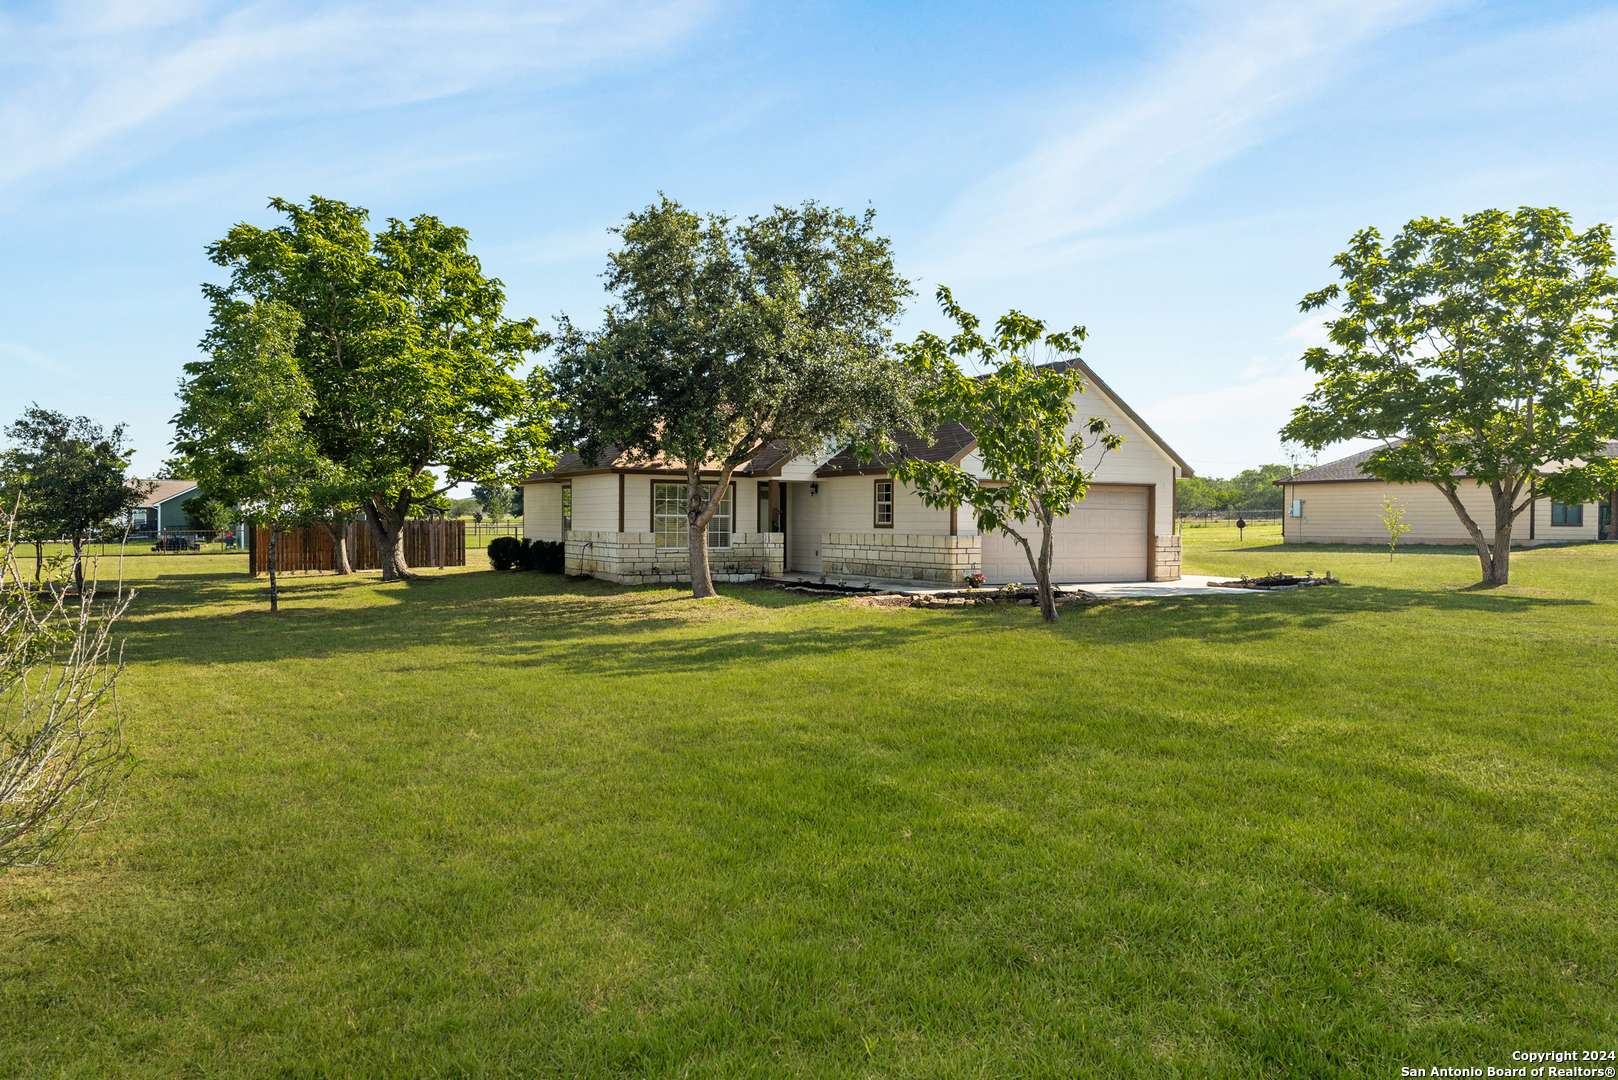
415	372
1484	351
725	337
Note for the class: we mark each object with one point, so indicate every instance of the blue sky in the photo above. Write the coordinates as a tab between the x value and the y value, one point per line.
1173	176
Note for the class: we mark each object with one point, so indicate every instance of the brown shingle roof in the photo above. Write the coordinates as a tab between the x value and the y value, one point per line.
163	490
951	442
948	443
1348	468
613	459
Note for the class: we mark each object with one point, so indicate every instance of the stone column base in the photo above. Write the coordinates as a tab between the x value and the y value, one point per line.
1166	563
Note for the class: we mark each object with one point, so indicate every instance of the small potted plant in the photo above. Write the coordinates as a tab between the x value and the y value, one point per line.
974	580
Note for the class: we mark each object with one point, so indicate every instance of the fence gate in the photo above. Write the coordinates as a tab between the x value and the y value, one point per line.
435	542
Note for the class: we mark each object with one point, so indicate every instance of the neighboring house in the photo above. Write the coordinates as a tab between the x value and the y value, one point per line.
164	507
1339	503
826	513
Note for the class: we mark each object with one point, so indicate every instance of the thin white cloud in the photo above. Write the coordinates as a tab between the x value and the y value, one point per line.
1106	164
14	357
1237	425
97	73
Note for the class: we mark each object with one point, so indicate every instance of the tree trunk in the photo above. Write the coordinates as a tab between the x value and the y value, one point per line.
1041	566
697	516
339	548
78	564
1047	594
39	559
1495	559
388	526
700	509
275	599
701	576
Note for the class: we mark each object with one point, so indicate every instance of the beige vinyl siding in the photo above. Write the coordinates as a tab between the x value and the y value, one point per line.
1139	461
805	526
1350	512
542	511
595	502
848	504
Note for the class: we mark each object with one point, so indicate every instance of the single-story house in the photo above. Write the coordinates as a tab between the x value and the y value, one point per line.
1340	503
826	513
164	507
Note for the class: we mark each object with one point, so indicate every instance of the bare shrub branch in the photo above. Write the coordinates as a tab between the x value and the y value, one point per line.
62	751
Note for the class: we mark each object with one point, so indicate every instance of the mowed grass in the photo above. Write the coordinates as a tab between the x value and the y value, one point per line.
516	824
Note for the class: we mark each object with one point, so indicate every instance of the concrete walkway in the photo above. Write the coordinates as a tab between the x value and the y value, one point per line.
1188	585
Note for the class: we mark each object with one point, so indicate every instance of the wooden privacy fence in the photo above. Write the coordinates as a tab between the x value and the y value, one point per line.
436	542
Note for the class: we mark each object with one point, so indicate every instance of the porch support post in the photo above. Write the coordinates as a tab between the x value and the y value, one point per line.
776	524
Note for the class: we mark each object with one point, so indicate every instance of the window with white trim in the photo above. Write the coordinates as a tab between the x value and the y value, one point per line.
669	520
882	517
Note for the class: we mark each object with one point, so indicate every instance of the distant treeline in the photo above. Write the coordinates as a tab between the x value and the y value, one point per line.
1252	489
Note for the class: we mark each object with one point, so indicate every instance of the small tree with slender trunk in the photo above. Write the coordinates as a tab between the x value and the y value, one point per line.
1393	521
725	338
71	472
1038	461
241	421
1483	351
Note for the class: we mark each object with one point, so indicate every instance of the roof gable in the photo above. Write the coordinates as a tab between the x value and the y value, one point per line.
161	491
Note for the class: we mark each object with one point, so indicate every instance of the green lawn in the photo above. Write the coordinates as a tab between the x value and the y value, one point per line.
514	824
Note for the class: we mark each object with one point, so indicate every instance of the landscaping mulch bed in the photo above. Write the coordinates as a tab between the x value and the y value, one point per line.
973	598
1277	581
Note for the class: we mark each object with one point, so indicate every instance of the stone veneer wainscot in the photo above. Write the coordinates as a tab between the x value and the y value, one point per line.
901	556
632	558
1166	564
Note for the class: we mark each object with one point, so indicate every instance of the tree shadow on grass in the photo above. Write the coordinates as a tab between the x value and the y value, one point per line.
594	627
1242	619
491	616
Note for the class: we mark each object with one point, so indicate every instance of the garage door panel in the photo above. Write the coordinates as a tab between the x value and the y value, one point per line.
1104	539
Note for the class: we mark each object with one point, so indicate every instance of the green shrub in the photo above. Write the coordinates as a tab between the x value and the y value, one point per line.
546	556
505	552
510	553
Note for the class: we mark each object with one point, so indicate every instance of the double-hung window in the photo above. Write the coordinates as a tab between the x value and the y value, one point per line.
1567	513
882	516
669	520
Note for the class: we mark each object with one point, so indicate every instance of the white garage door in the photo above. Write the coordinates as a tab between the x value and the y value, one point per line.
1104	539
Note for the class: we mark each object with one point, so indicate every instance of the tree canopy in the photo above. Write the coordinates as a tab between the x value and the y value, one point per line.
414	372
1037	460
1250	489
241	421
725	337
70	473
1481	350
